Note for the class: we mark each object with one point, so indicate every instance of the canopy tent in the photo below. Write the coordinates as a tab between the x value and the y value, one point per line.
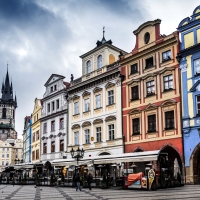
145	156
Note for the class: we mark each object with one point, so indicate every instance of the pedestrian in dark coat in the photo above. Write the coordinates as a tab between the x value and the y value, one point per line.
78	182
13	180
89	180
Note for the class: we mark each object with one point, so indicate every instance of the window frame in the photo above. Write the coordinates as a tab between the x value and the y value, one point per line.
111	97
62	145
135	97
151	86
52	146
99	62
76	138
45	127
168	57
151	119
76	108
134	68
136	126
195	70
88	67
98	134
197	102
168	82
87	136
53	125
44	148
98	101
149	62
169	117
61	124
87	105
57	104
111	131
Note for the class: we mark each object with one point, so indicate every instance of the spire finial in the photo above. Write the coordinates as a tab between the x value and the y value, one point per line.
103	31
7	65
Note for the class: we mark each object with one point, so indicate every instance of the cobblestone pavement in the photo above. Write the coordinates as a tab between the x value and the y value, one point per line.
30	192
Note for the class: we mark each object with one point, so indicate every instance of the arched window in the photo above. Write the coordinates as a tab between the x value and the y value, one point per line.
99	61
88	66
4	113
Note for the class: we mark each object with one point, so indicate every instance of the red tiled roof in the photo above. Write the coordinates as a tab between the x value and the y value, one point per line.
66	84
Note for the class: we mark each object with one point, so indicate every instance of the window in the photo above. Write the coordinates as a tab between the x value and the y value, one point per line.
168	82
48	107
34	118
151	123
98	101
52	146
166	56
87	136
198	105
7	149
45	128
2	162
88	66
169	120
134	68
33	155
52	89
44	148
13	114
76	108
33	137
53	126
7	163
86	105
136	126
150	88
3	149
99	62
37	154
57	104
110	97
37	135
55	87
75	138
7	155
197	66
16	150
134	92
111	132
61	123
2	155
16	156
4	113
98	131
61	145
149	62
52	104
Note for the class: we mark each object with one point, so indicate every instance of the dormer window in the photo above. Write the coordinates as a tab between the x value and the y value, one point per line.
88	67
99	62
166	56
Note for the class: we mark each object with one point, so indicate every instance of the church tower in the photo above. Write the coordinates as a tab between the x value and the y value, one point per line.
8	104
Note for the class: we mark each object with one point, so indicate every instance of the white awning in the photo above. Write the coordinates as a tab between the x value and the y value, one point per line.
145	156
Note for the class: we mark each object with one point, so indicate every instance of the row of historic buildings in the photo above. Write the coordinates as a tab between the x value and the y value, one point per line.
148	99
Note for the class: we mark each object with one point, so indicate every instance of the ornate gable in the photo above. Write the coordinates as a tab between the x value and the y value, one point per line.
75	97
167	69
86	93
110	118
134	111
53	78
85	124
97	89
109	85
75	126
151	106
168	102
98	121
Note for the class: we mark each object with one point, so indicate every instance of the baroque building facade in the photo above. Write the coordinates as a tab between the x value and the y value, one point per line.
151	94
95	103
54	119
8	104
35	145
27	132
189	58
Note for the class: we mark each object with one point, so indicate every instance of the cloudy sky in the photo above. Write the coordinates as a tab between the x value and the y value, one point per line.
42	37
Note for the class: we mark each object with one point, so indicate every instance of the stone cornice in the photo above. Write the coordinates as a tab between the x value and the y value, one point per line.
53	115
63	91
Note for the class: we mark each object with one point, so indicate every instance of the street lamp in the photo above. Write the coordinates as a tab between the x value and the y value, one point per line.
79	154
17	161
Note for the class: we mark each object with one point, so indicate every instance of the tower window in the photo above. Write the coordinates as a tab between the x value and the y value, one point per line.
99	62
4	113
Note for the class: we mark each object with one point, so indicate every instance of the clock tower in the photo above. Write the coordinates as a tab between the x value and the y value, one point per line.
8	104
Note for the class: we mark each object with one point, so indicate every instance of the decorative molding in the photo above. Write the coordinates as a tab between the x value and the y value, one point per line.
133	80
134	111
148	76
109	85
151	106
51	136
98	121
183	65
86	93
168	102
110	118
75	97
97	89
167	69
75	126
85	124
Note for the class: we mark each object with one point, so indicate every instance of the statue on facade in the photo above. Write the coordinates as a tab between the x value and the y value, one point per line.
72	77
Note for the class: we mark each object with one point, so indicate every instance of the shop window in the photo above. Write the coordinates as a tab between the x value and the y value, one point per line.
110	97
61	123
197	66
76	108
150	88
98	134
168	82
166	56
136	126
87	136
149	62
134	68
76	138
53	146
134	92
169	120
151	123
111	131
61	145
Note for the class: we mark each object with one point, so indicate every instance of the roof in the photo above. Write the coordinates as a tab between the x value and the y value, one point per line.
57	75
66	84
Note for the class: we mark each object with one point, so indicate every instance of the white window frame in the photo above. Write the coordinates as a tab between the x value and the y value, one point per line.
166	55
197	66
98	134
99	61
87	105
110	97
111	131
87	136
98	101
76	138
76	108
152	87
168	82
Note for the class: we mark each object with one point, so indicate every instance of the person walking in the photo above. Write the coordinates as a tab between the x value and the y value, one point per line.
13	180
78	182
89	180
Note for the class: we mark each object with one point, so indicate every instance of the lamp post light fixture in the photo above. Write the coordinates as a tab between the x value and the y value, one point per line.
79	154
17	161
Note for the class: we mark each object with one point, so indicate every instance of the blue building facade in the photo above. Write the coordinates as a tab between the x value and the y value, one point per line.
189	59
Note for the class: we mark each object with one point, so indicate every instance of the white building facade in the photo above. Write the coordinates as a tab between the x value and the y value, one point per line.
54	119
